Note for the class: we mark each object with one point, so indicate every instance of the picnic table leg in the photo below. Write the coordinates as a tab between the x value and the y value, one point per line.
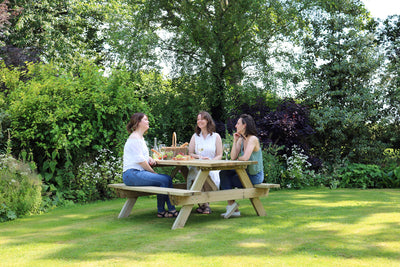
210	185
183	215
257	205
127	208
200	180
185	211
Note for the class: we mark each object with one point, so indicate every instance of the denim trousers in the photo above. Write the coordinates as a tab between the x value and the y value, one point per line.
230	179
133	177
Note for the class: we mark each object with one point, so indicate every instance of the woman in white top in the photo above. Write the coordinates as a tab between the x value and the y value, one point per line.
137	164
205	144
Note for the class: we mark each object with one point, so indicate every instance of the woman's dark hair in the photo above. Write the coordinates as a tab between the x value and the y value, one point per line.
134	122
251	128
210	123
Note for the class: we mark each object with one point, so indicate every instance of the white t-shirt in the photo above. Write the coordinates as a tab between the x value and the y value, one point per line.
135	151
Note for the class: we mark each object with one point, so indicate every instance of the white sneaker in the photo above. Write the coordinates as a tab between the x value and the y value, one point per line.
230	209
235	214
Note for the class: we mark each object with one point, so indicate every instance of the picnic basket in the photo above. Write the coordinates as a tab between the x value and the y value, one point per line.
176	149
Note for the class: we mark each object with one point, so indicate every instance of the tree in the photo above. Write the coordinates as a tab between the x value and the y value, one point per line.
340	60
389	39
5	15
55	30
220	41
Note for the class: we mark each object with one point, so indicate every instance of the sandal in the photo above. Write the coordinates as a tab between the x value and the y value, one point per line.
201	209
164	214
173	214
206	210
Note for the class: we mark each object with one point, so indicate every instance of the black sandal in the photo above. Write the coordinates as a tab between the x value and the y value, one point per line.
206	210
173	214
164	214
201	209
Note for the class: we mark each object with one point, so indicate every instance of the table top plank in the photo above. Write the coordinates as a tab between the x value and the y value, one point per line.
206	163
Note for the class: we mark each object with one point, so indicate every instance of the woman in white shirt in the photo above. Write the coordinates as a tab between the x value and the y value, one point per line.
137	164
205	144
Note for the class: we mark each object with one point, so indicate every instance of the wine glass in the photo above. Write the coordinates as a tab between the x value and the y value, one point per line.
226	150
161	147
200	151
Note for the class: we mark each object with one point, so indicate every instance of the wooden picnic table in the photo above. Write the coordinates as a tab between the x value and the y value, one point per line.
188	198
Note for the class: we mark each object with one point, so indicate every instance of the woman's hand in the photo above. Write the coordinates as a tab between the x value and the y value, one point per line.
236	137
152	162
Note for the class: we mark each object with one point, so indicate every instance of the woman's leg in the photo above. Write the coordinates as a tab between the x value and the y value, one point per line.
144	178
228	179
257	178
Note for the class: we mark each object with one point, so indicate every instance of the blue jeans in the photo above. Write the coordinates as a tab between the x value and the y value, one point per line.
230	179
133	177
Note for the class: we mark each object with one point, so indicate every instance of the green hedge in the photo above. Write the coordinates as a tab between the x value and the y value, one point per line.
64	118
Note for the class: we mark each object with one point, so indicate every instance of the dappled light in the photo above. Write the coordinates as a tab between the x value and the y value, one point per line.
358	227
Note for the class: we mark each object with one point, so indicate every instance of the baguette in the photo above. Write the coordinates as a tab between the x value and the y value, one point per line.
155	151
185	144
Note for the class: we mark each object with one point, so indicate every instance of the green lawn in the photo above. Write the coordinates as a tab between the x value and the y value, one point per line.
317	227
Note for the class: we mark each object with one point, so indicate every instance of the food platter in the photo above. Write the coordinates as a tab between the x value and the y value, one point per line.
183	157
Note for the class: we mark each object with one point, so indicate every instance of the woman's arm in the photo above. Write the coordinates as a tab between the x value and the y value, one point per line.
146	166
237	142
192	146
218	147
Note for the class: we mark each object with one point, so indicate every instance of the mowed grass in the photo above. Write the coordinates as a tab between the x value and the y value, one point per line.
316	227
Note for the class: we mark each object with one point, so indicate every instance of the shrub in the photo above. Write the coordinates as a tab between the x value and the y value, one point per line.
20	189
341	133
273	164
92	178
287	125
174	105
64	118
357	175
391	178
295	175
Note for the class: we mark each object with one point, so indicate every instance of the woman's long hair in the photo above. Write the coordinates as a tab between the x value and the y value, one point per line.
210	123
134	122
251	128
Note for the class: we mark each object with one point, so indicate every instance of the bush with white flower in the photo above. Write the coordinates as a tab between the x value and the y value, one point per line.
297	168
93	177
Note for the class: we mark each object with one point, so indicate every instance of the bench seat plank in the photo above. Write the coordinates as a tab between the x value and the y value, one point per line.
264	185
222	195
156	190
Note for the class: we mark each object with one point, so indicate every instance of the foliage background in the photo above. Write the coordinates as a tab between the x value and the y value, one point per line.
72	73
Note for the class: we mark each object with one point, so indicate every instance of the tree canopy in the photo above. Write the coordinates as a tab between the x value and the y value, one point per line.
56	30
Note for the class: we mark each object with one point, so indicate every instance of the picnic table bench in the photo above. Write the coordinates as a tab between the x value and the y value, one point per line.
187	198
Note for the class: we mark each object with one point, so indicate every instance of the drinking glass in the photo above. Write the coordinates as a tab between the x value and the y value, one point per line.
226	150
200	151
161	147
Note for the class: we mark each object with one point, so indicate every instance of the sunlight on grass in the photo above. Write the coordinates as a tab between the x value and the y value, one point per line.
251	230
302	228
254	244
